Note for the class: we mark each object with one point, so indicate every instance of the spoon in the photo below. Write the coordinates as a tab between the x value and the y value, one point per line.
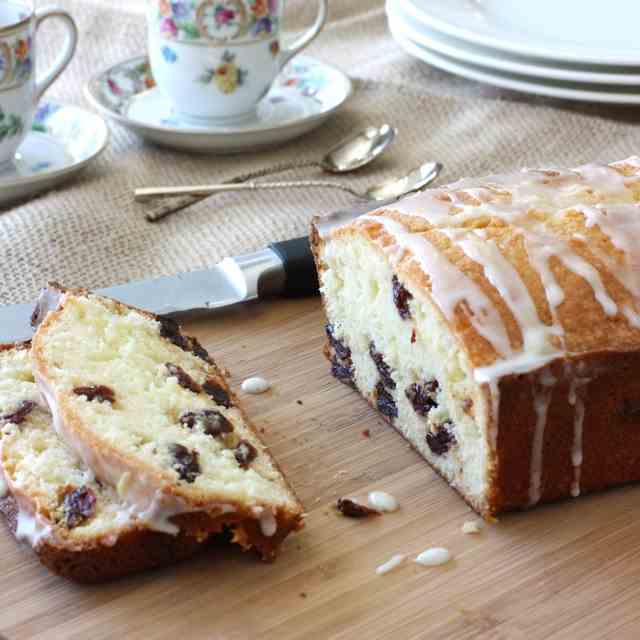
357	150
350	154
415	180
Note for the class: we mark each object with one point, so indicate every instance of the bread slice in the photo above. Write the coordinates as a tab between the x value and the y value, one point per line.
78	527
148	410
495	323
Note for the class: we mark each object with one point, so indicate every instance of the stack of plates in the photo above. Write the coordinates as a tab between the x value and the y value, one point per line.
573	49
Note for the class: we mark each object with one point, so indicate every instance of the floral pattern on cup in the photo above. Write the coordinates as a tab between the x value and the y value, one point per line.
307	80
217	22
42	115
126	81
11	125
129	79
227	76
16	61
169	54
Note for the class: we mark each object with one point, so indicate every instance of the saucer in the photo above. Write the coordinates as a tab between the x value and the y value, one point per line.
62	140
304	95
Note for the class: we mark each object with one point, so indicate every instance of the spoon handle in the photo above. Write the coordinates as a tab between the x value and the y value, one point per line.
159	210
151	193
276	168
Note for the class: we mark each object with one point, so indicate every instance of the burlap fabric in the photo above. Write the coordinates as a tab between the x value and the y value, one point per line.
90	233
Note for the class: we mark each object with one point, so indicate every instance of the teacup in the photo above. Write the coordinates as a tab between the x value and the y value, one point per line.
20	91
214	60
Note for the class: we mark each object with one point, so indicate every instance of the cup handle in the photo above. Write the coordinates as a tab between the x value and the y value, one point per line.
69	48
308	36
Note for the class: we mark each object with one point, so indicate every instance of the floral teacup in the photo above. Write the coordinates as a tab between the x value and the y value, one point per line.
19	89
215	59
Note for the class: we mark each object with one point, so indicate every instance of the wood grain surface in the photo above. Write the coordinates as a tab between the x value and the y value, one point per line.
569	570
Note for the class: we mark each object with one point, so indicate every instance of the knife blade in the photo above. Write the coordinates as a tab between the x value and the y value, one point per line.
283	268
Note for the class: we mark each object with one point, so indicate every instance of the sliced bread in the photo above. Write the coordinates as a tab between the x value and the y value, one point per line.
148	410
77	526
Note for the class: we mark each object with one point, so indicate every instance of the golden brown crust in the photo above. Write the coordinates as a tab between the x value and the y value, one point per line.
129	549
136	550
16	346
611	431
603	347
610	447
587	327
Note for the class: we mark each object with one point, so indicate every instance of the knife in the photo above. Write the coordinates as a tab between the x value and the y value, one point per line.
283	268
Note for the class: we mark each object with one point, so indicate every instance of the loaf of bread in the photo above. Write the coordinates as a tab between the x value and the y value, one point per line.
148	411
78	527
495	323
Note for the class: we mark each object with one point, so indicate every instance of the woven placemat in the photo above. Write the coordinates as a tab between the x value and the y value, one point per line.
90	233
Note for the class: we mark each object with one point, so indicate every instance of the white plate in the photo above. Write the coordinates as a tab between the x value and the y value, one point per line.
486	57
62	141
567	91
304	95
583	31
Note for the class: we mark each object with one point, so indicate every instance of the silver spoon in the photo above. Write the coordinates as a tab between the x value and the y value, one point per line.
357	150
350	154
415	180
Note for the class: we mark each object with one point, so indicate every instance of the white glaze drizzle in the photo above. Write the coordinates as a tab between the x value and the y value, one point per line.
603	178
31	528
433	557
255	385
4	486
267	520
268	524
382	501
504	277
619	224
449	286
531	190
539	253
527	188
542	393
393	562
34	528
591	275
152	506
576	400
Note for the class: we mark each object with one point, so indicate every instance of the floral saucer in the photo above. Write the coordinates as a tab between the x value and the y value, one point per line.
303	96
62	140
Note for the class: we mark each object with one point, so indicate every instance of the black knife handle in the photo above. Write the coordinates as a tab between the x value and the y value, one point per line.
299	267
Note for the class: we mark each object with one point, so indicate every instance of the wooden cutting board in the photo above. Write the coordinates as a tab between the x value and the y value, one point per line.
571	570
